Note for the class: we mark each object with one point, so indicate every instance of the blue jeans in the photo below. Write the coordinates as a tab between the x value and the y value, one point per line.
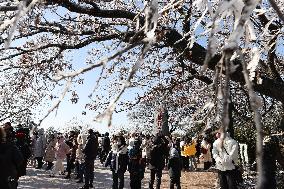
81	169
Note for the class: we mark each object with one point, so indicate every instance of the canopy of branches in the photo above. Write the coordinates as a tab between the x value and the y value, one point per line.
172	51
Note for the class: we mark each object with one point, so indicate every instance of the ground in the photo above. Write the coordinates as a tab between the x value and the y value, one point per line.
39	179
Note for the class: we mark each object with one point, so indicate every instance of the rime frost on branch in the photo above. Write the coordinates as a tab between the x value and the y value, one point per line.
151	20
23	8
255	57
56	105
225	8
241	12
232	42
107	114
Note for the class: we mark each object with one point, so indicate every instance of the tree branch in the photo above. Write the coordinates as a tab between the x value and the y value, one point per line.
277	9
94	11
269	86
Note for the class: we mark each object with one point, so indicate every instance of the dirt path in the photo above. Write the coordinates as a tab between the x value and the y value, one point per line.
39	179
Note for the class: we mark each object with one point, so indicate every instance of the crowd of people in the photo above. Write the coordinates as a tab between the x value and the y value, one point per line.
121	152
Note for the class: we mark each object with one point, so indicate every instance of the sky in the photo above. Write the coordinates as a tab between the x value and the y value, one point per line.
68	111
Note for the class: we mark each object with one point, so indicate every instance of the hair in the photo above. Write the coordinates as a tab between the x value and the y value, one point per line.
122	140
91	131
2	135
7	125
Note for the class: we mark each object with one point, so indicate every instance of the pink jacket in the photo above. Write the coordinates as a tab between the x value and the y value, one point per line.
62	149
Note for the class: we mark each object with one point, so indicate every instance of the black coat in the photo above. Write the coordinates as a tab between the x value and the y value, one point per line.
91	149
26	152
157	157
174	167
136	165
123	160
11	160
106	144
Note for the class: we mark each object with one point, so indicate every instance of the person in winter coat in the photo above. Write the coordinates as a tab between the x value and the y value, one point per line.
61	150
81	140
50	151
131	141
10	133
136	165
146	147
90	153
225	153
105	147
33	142
205	150
40	146
184	157
24	148
11	160
157	161
70	158
118	161
175	166
191	152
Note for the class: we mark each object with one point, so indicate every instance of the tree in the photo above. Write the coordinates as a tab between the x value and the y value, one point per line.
240	42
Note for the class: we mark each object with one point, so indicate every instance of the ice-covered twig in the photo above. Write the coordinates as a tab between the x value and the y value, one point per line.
277	9
225	60
257	120
234	38
22	10
171	5
255	54
98	64
56	105
151	18
110	109
212	47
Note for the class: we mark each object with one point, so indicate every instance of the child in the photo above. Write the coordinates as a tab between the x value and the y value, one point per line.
174	167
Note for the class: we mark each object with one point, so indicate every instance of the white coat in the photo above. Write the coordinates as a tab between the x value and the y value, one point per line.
226	155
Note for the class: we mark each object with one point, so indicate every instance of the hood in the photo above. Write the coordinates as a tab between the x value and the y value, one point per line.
174	153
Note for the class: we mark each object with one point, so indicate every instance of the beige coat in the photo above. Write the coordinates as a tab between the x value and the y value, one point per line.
50	151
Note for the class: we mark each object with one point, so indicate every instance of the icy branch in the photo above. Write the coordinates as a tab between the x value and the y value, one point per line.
151	18
253	63
258	124
234	38
56	105
92	66
277	9
22	10
109	111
